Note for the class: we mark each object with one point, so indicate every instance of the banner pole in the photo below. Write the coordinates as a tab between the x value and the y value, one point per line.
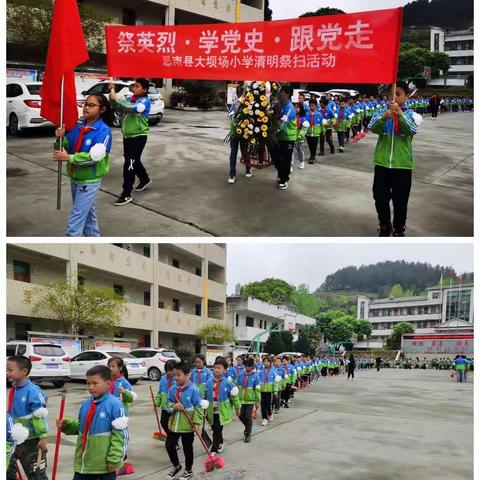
60	147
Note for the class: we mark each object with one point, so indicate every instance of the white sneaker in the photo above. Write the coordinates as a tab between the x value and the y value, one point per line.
282	186
231	180
270	418
301	165
291	168
264	422
249	173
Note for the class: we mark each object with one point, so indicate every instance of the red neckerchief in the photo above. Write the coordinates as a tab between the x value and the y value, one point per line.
112	385
396	125
238	371
324	114
341	114
245	380
199	376
216	390
133	99
11	395
180	390
78	144
88	422
169	382
265	375
299	122
312	119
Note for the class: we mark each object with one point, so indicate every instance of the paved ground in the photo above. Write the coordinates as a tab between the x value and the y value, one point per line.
388	425
188	162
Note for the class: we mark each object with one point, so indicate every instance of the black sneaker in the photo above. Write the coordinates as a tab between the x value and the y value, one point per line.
187	474
174	471
282	186
399	232
276	411
321	154
247	439
142	185
287	405
248	173
123	200
384	231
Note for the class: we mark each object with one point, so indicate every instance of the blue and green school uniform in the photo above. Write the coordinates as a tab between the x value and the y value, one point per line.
189	396
248	384
105	440
222	399
200	377
128	396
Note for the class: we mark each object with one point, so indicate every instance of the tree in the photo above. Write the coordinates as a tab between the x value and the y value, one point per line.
267	11
340	329
305	302
396	291
216	333
363	328
323	11
326	318
271	290
275	344
394	341
84	309
309	338
29	22
287	339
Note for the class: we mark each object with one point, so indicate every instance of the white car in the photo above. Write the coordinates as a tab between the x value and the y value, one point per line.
23	106
124	89
155	359
290	354
50	363
87	359
343	92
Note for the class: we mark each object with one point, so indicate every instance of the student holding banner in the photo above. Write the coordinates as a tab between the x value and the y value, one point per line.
393	159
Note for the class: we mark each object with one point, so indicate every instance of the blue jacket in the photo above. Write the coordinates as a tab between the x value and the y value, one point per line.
121	382
30	408
200	377
259	366
235	372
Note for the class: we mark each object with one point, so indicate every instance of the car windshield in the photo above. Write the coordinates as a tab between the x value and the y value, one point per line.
169	353
152	90
34	89
48	350
120	354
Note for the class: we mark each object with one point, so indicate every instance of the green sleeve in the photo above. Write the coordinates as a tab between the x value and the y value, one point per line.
123	105
82	159
71	426
66	144
159	400
197	415
377	127
40	426
235	402
301	134
257	395
127	397
116	453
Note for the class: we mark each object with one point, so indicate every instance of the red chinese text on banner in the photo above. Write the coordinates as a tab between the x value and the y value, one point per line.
350	48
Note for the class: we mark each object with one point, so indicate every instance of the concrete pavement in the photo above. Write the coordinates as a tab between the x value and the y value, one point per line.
188	162
387	425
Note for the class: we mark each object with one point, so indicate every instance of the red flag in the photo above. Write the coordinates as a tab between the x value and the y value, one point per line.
66	50
359	47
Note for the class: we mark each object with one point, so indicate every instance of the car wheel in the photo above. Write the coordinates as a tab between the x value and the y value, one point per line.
153	121
13	128
154	374
117	119
58	384
133	382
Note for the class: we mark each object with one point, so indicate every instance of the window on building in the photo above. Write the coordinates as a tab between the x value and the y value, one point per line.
146	298
22	271
81	280
119	245
119	290
435	295
236	319
129	16
146	251
176	305
161	304
436	42
198	271
198	309
249	321
409	311
175	342
175	263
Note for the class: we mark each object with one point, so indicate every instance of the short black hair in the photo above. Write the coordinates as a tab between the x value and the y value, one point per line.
143	82
240	357
312	101
323	101
404	86
285	357
21	361
200	356
100	370
169	365
183	366
239	90
249	362
268	357
221	361
287	89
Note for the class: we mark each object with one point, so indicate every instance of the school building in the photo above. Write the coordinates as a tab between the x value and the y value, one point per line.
458	45
427	313
251	317
171	289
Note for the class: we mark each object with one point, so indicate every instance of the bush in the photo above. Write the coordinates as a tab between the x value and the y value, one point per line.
185	354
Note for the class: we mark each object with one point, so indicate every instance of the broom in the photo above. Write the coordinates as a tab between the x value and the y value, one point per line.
159	435
213	461
20	470
58	438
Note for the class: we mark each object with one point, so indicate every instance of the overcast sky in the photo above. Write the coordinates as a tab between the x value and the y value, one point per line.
310	264
283	9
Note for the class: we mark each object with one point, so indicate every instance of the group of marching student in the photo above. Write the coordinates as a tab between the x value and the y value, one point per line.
86	150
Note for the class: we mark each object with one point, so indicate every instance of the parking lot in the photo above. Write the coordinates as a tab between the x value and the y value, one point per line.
387	425
187	159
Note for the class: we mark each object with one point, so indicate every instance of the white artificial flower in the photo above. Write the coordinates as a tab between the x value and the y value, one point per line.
257	105
255	92
250	126
257	129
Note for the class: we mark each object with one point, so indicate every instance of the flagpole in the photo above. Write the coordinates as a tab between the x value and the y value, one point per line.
60	140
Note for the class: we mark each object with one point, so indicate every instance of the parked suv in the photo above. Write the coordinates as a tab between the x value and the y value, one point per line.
155	359
50	363
124	89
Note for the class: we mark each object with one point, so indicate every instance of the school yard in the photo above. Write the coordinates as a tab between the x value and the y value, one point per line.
387	425
188	162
